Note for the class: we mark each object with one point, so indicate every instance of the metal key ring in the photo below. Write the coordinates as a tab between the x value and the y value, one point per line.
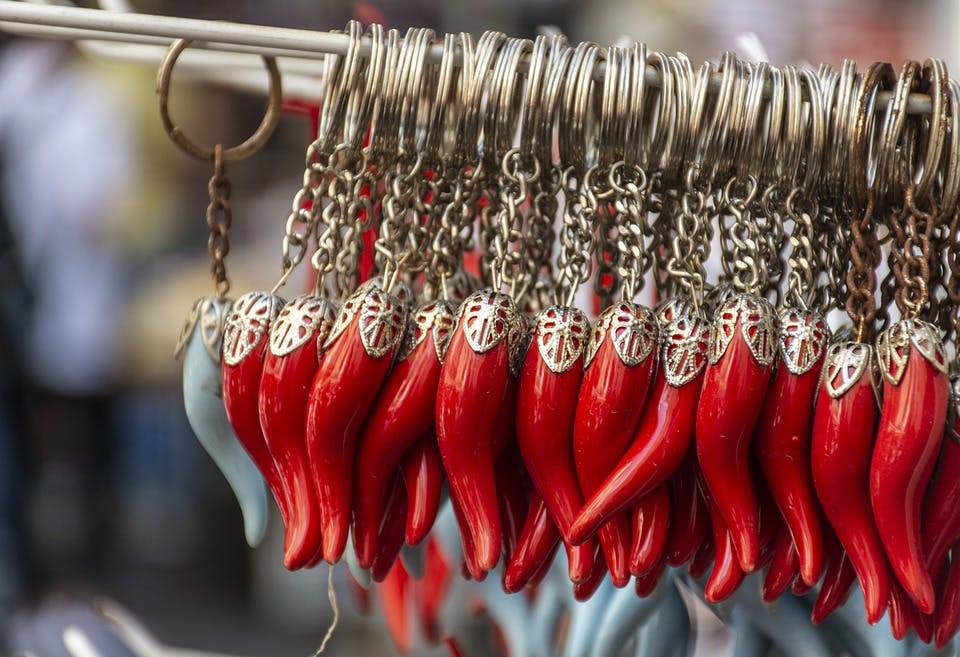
236	153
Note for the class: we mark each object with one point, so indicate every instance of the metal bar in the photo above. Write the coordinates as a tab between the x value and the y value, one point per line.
239	37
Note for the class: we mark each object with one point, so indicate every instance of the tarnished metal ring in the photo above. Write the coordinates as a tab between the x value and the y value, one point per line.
236	153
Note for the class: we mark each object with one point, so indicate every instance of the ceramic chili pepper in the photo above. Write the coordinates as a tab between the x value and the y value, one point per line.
703	558
619	364
402	413
585	588
784	566
432	590
245	338
423	478
538	542
842	442
916	391
941	513
726	575
689	521
948	605
838	579
665	430
390	534
394	594
651	526
899	606
734	385
472	382
782	436
546	402
799	587
646	583
297	337
357	356
199	346
512	492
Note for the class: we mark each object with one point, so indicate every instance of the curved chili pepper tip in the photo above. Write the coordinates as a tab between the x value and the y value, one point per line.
619	363
472	383
390	539
288	370
546	402
665	430
784	567
423	476
838	580
536	546
703	558
401	415
912	420
941	513
358	355
689	522
782	436
736	380
841	448
651	525
727	575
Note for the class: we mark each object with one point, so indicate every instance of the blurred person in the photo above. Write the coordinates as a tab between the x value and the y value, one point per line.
67	161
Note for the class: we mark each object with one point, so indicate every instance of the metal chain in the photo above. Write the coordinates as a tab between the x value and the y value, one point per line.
912	231
741	243
541	233
509	266
400	240
691	242
219	219
802	279
581	201
834	254
457	192
606	281
861	275
768	214
632	190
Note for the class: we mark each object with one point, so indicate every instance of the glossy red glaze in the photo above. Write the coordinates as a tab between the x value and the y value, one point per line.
469	567
841	446
401	414
899	605
584	589
689	521
730	403
241	394
423	477
703	558
651	525
537	544
343	391
394	593
546	403
726	575
284	387
647	582
469	393
660	444
784	566
909	435
948	605
611	399
941	513
505	427
838	579
782	445
512	492
390	539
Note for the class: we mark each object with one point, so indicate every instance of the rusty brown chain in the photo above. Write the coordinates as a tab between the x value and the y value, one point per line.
861	275
219	219
949	315
912	231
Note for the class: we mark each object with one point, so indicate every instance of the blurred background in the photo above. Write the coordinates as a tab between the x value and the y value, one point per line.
103	488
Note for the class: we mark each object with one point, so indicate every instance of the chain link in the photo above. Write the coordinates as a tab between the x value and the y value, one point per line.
743	261
581	201
219	219
802	279
861	275
690	244
912	231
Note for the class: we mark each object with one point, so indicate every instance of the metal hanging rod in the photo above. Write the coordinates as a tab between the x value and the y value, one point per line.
74	23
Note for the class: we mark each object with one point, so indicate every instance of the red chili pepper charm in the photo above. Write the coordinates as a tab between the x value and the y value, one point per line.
838	579
245	343
394	597
619	364
296	338
689	521
915	395
651	526
948	605
647	582
784	566
734	385
403	412
703	558
782	436
843	429
390	535
356	360
665	430
538	542
513	488
727	575
941	513
584	589
423	477
472	382
546	403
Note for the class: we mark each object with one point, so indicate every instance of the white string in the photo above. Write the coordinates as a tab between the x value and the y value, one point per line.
332	596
